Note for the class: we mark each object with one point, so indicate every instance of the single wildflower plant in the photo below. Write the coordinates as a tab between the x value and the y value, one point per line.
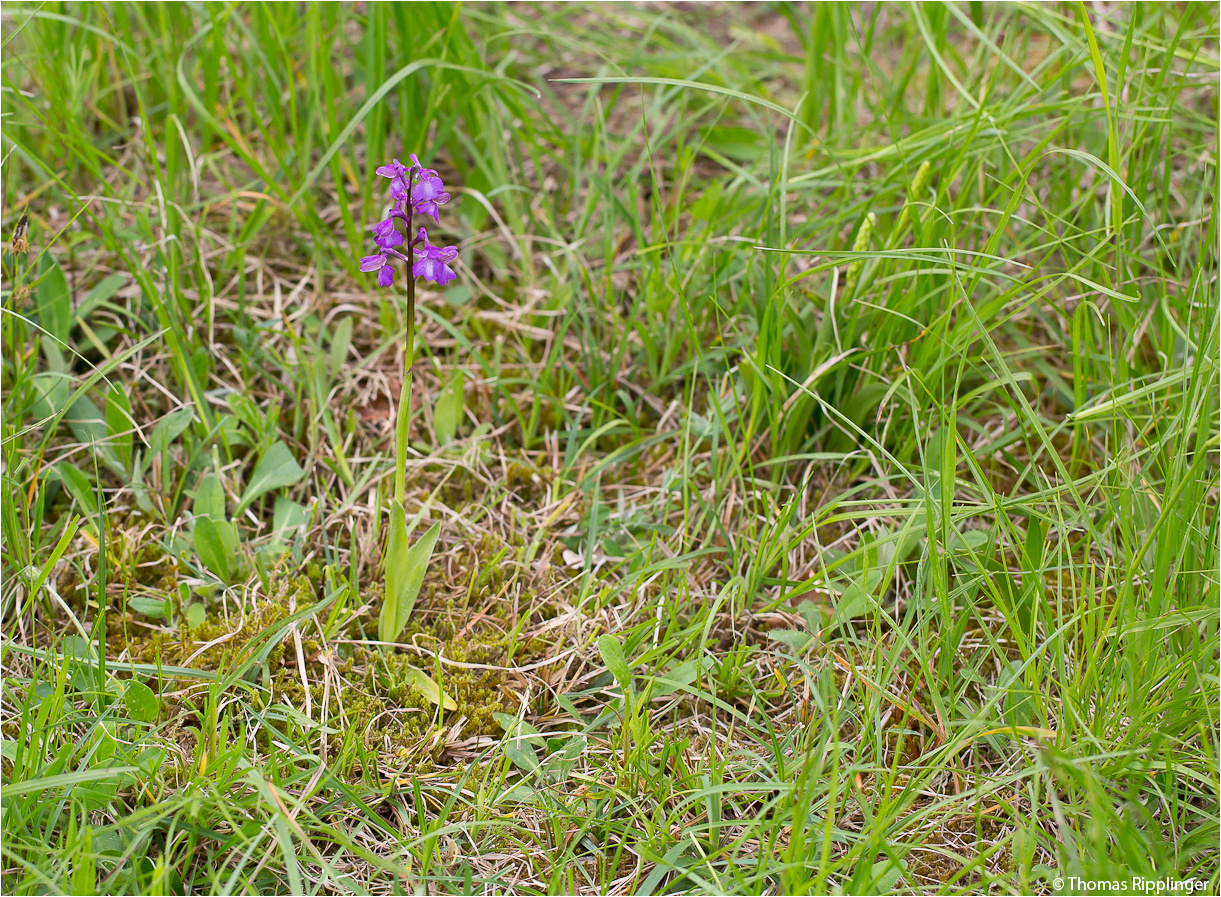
415	190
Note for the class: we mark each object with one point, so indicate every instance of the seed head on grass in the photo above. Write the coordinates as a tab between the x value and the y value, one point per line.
19	244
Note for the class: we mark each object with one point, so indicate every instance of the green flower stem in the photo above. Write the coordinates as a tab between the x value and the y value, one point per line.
404	408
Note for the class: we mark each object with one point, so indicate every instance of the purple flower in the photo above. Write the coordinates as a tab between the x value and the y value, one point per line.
380	264
422	185
394	169
428	192
385	235
400	177
429	207
428	186
400	187
434	263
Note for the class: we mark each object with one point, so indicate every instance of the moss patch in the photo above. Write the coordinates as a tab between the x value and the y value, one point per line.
371	697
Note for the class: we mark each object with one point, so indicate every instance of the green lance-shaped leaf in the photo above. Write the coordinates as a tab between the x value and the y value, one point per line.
404	568
447	413
211	547
89	427
168	429
119	425
616	661
276	469
209	498
340	343
287	519
79	486
54	301
428	688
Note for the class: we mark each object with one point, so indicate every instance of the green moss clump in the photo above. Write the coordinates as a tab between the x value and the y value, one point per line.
380	703
175	648
374	703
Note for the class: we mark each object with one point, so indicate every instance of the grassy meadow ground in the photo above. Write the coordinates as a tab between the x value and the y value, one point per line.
823	430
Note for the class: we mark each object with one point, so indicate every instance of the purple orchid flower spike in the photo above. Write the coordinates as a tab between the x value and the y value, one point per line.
416	190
